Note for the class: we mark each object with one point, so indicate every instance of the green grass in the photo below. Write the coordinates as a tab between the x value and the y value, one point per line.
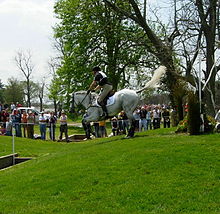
155	172
71	130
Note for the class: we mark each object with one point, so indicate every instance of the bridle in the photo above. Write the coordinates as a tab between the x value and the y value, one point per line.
80	103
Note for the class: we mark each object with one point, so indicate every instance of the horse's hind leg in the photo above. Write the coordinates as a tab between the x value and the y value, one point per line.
132	124
129	106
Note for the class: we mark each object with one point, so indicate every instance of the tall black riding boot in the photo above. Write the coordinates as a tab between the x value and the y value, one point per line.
104	109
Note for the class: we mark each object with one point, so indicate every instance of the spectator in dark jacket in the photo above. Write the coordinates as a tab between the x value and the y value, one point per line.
52	124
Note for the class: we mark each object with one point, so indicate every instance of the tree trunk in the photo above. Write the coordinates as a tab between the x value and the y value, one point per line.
41	104
55	106
209	27
162	51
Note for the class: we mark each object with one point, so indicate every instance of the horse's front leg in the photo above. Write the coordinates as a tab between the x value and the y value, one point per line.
86	126
87	129
132	128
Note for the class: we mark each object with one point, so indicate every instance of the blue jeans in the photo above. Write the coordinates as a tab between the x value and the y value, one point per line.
52	131
149	124
143	123
96	128
18	130
125	126
43	131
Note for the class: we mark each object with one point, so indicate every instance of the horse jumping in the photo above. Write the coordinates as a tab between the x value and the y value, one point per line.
125	99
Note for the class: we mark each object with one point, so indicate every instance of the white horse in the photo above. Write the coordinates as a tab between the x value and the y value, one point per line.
125	99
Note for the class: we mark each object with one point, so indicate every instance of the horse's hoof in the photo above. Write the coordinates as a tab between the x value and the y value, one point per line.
128	137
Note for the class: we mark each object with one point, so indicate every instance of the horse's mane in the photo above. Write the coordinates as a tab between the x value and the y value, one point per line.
84	93
80	92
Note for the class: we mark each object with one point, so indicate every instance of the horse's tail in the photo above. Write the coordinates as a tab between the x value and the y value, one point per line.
158	73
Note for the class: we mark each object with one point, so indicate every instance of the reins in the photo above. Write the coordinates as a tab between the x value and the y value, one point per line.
83	100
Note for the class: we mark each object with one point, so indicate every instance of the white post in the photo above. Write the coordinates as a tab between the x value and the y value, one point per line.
200	85
13	145
52	134
200	93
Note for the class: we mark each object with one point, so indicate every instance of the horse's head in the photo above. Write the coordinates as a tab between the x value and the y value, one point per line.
81	98
77	99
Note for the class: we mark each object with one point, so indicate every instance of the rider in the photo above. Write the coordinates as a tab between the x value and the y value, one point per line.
100	81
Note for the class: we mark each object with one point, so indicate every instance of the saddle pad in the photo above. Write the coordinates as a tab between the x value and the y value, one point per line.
110	101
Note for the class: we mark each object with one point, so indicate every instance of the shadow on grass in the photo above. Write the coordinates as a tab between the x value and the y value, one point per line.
109	141
123	138
143	135
138	135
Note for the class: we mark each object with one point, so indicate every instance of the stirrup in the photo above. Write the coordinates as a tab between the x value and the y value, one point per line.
104	114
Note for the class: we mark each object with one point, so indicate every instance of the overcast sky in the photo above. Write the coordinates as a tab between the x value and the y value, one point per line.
25	25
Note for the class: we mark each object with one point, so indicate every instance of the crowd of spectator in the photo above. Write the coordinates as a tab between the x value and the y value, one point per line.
99	129
146	117
22	123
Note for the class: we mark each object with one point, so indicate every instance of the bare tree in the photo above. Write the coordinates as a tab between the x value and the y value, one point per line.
195	27
197	24
25	65
161	49
53	65
40	88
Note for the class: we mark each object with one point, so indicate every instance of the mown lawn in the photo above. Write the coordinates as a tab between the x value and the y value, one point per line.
155	172
73	128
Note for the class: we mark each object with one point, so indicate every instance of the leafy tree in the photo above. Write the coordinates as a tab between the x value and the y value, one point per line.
89	34
2	99
55	88
33	91
14	91
55	93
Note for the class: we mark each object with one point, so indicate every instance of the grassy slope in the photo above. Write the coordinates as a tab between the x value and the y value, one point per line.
155	172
